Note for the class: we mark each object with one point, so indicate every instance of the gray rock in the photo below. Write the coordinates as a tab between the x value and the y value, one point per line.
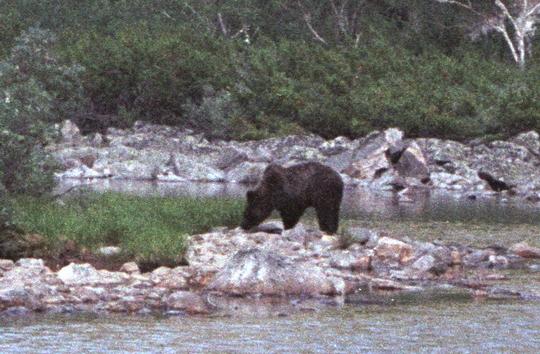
109	251
523	249
370	158
530	140
130	268
81	274
190	169
188	302
97	140
70	133
231	157
32	263
340	161
335	146
272	227
476	258
394	250
81	172
246	172
298	154
412	162
255	271
6	265
360	235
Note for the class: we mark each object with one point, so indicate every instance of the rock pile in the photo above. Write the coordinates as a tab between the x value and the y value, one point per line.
381	160
229	266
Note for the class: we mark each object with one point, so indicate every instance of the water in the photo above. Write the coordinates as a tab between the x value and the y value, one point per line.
437	321
357	203
426	324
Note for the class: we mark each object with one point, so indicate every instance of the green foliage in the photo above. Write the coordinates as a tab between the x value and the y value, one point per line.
153	73
6	210
382	63
36	91
151	229
214	115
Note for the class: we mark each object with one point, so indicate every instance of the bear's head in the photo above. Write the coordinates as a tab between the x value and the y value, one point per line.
259	207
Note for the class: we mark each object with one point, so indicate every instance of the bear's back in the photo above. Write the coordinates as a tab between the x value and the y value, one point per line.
311	177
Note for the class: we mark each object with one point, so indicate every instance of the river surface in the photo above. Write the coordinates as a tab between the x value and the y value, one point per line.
358	203
437	321
441	324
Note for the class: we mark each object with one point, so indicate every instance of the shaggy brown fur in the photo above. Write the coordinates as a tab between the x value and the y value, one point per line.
291	191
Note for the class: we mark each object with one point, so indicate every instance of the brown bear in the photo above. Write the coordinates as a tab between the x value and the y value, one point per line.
291	191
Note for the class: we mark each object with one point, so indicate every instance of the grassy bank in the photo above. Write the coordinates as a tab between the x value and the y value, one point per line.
147	229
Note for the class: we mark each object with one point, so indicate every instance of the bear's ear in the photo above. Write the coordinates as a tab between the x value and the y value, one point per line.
250	195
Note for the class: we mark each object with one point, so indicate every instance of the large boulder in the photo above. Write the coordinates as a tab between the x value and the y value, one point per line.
259	272
230	157
412	162
370	158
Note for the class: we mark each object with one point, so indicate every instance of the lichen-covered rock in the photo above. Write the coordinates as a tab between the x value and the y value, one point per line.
246	172
370	158
530	140
255	271
412	162
337	146
130	268
6	265
188	302
523	249
391	249
189	168
81	274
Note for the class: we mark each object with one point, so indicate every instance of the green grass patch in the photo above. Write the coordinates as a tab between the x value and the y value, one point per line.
147	229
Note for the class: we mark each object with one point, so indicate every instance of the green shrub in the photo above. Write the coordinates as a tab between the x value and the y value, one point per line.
36	91
214	114
6	211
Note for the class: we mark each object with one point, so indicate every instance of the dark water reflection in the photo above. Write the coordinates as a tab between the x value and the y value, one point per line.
358	203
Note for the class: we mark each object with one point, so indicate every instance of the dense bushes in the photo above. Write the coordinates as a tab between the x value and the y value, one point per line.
36	91
256	75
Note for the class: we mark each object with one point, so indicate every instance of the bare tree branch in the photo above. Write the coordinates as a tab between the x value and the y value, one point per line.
307	19
222	25
521	15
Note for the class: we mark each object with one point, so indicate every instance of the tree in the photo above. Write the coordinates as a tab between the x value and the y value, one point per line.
515	20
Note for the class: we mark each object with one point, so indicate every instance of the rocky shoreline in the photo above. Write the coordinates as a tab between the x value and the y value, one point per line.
300	269
380	161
